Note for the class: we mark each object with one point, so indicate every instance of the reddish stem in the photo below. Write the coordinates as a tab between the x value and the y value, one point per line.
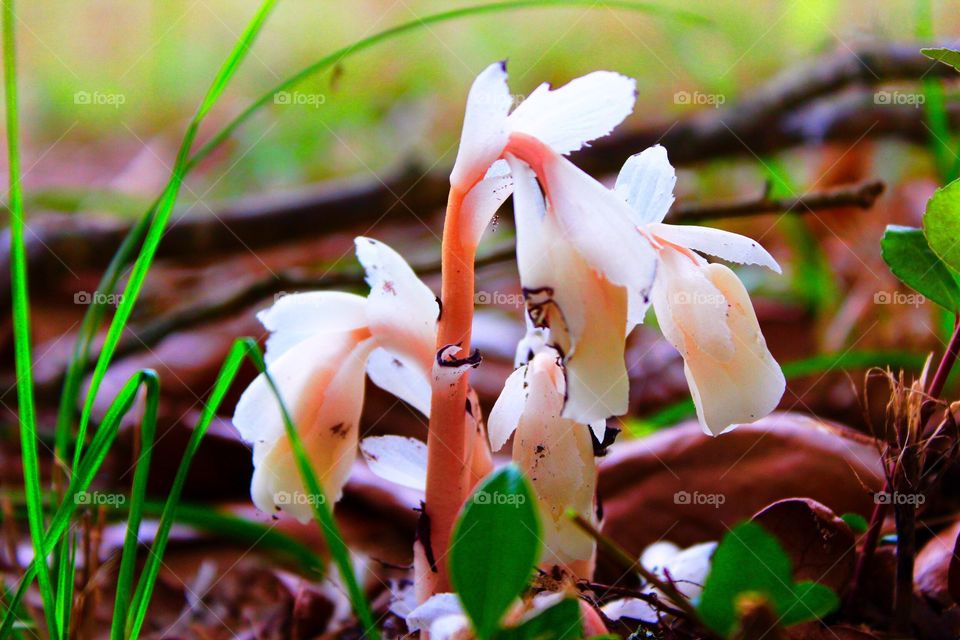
447	445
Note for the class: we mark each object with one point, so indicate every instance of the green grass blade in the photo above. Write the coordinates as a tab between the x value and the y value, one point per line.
241	530
940	139
158	224
80	481
138	492
322	511
284	549
245	348
21	323
66	570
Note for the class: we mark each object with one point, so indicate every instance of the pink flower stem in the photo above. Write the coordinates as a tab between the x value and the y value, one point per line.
447	443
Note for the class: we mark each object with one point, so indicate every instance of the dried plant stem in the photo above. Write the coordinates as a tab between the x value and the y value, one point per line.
906	519
629	562
872	535
447	446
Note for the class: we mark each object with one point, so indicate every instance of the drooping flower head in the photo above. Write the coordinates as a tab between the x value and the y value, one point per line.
320	347
703	309
555	453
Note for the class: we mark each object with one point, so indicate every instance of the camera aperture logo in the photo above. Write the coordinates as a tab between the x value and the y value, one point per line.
696	498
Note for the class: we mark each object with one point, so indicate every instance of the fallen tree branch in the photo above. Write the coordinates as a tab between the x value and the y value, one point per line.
771	119
861	195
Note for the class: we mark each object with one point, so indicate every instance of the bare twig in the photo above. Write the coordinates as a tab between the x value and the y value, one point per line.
861	196
632	564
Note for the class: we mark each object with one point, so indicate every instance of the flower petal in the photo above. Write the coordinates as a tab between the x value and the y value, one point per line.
435	607
746	386
507	410
321	382
401	310
687	569
296	317
690	309
632	608
398	459
483	200
401	377
599	224
646	182
586	315
449	367
637	305
582	110
484	126
725	245
597	382
557	455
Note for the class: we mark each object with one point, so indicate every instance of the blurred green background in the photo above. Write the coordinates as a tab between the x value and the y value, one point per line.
108	85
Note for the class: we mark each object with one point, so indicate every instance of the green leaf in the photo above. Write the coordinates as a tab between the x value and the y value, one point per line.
749	559
855	521
495	544
559	622
810	601
942	54
906	252
941	224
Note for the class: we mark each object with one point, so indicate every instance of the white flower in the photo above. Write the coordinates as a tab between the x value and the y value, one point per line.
687	569
442	616
579	253
320	346
554	452
703	309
